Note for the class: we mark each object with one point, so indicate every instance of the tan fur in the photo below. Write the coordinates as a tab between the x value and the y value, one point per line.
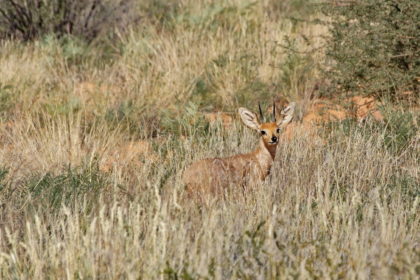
215	175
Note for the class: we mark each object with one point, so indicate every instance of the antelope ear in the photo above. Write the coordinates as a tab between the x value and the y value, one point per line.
287	114
249	118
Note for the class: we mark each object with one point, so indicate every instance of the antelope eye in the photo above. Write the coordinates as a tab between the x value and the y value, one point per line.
263	132
278	130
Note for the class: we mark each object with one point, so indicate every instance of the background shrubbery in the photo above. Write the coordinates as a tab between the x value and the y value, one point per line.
86	19
374	48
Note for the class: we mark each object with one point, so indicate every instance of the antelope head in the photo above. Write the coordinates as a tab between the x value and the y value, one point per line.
269	131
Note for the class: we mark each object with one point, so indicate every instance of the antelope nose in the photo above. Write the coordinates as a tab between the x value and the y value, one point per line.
274	139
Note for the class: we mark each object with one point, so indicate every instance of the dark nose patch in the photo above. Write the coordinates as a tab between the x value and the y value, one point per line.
274	139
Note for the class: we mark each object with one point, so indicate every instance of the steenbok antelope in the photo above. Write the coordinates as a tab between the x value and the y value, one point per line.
214	175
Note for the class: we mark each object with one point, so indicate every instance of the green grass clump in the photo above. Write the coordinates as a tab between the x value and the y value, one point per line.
6	100
70	188
397	132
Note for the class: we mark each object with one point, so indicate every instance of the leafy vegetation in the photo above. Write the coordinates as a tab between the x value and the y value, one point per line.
374	48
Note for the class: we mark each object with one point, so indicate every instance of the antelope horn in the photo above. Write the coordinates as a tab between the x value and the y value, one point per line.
261	113
274	111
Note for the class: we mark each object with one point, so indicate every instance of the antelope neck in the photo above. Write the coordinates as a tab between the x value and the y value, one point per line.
265	155
265	148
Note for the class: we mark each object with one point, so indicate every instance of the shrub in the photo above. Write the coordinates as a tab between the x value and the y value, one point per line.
87	19
375	47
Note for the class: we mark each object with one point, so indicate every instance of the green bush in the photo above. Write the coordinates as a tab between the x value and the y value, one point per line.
374	48
87	19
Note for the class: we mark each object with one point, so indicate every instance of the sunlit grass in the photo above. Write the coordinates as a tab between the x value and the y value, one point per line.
92	153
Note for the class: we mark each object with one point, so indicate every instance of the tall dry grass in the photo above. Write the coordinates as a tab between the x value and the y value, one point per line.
347	209
344	208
